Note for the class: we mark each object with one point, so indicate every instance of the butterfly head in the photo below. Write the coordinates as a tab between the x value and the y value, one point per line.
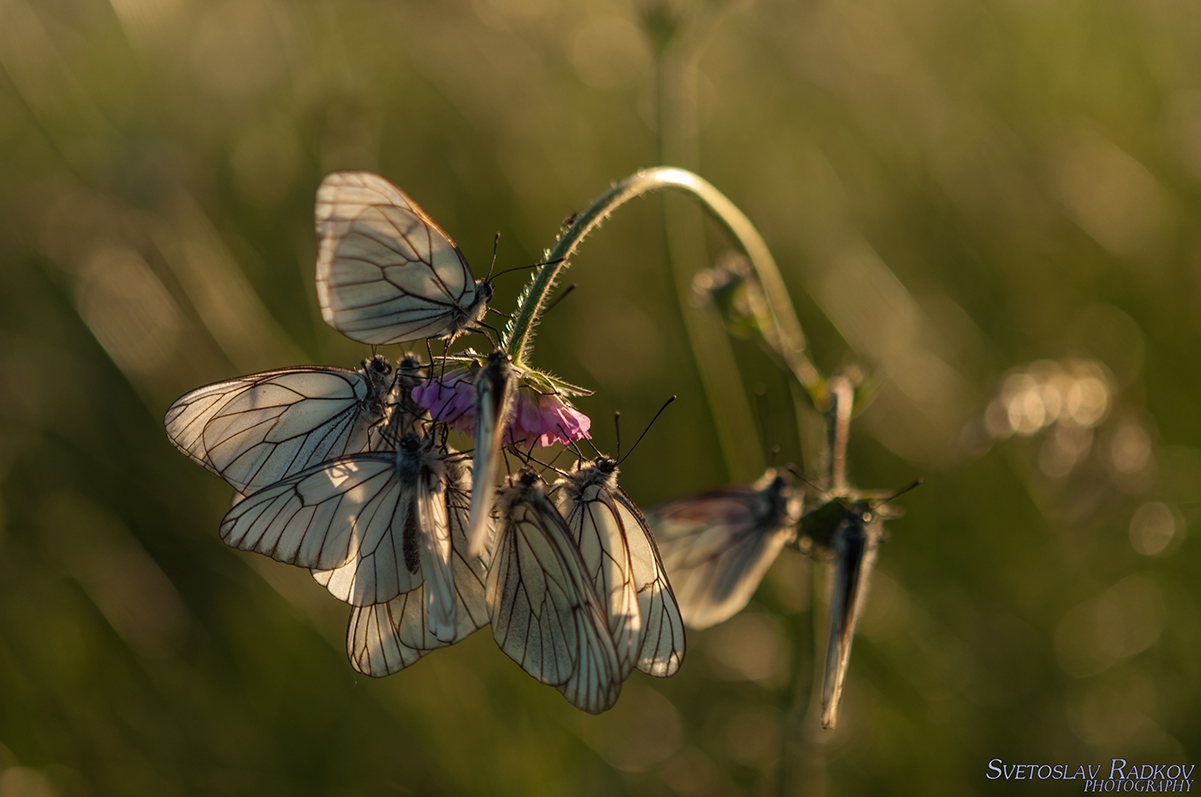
409	365
600	471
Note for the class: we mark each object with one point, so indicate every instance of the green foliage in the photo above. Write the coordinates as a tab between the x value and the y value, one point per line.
952	191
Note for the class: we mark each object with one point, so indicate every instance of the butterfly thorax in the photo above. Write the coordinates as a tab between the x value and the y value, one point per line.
416	458
483	295
377	372
522	487
601	472
777	501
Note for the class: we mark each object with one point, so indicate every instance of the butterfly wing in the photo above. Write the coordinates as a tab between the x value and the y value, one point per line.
435	555
386	273
387	637
345	517
256	430
716	550
855	546
495	388
544	611
597	529
662	642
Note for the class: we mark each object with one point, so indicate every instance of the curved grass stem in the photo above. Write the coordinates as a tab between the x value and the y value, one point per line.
783	333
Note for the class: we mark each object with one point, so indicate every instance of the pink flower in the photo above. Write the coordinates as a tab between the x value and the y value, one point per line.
450	399
547	419
538	419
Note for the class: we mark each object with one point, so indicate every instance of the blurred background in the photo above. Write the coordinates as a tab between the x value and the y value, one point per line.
992	207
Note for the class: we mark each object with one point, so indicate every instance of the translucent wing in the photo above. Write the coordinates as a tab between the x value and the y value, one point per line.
598	530
374	526
387	637
256	430
718	545
349	511
544	611
386	273
662	647
603	519
494	387
855	544
435	555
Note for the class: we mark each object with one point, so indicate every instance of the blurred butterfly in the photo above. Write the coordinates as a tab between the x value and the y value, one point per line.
384	638
623	561
495	388
854	546
386	273
851	532
256	430
544	611
377	525
718	545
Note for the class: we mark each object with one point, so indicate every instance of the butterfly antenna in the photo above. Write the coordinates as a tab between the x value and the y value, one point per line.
901	491
545	465
495	246
792	469
579	452
562	295
617	426
517	268
666	404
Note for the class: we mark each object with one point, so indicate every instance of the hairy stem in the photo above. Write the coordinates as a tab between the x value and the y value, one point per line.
786	329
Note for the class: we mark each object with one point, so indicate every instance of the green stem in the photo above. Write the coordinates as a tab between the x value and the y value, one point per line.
786	328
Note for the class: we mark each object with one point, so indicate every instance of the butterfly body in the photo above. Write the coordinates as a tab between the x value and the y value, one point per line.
544	610
853	544
384	638
623	560
386	273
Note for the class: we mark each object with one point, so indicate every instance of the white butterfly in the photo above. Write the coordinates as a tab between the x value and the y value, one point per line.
495	389
376	524
256	430
545	613
718	545
623	560
386	273
384	638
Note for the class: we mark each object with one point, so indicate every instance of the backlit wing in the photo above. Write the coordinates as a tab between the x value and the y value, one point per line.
544	611
597	529
347	517
387	637
386	273
662	643
715	551
256	430
435	555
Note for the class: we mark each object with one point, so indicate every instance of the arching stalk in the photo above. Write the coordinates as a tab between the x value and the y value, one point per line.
782	331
